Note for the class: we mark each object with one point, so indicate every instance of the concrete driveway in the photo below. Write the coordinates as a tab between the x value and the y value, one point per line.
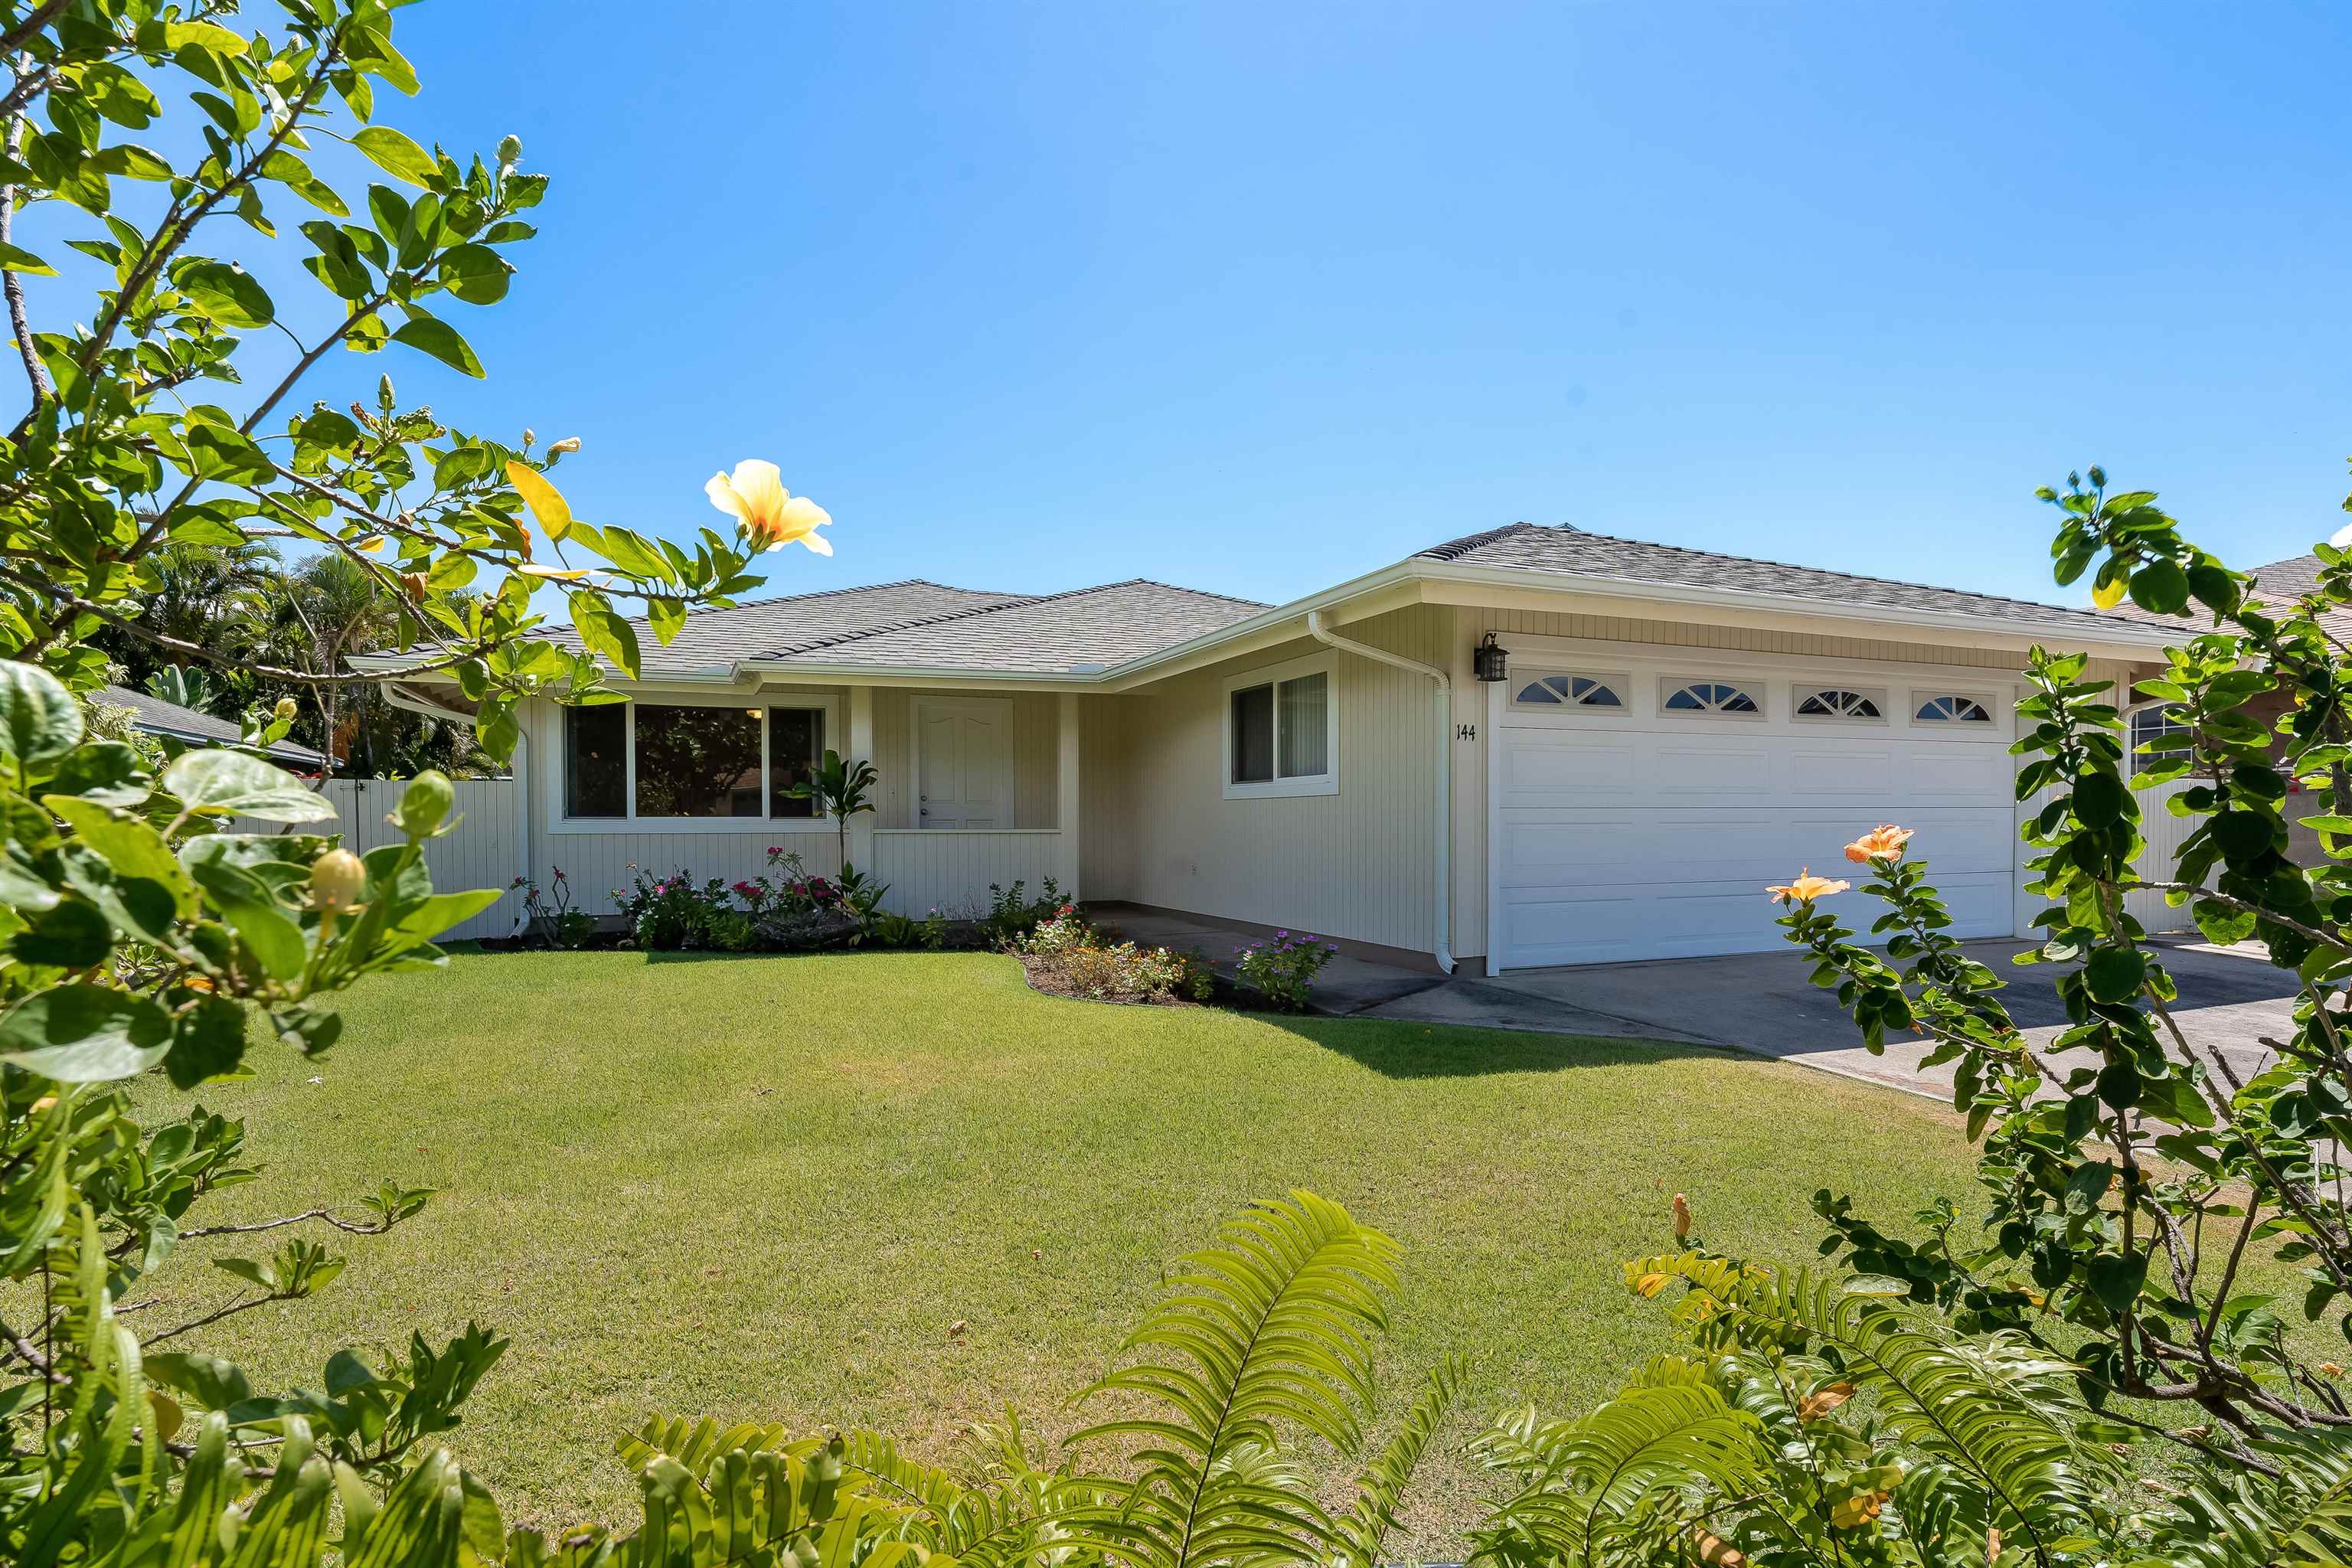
1763	1003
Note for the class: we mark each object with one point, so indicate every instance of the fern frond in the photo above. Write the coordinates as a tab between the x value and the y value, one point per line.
1269	1331
1358	1535
2244	1519
1608	1472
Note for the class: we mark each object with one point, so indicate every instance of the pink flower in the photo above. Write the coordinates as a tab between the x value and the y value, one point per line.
775	848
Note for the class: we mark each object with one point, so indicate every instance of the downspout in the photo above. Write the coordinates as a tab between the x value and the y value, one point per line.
1444	697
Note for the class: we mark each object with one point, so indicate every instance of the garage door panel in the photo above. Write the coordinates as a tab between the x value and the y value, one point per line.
1653	847
1816	771
1550	770
1655	839
1964	773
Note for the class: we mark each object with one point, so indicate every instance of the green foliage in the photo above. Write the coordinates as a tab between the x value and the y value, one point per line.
130	477
1283	967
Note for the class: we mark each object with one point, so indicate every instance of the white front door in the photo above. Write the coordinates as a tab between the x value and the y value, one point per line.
1641	798
963	763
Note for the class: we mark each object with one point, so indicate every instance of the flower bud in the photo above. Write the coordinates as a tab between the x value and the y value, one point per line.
286	708
337	880
44	1104
529	435
425	803
1682	1216
568	443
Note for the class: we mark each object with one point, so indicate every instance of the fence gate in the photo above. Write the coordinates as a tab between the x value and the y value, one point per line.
485	851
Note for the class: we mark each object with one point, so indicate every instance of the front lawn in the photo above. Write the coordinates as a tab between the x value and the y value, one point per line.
771	1187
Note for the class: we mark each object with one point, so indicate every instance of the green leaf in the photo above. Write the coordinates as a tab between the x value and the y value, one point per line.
132	162
207	1042
476	274
71	935
604	631
17	260
2116	1280
39	721
397	155
441	340
220	783
226	292
2100	799
84	1034
2115	974
2160	588
667	618
119	95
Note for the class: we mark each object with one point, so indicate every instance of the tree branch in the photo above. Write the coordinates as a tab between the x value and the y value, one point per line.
18	321
18	37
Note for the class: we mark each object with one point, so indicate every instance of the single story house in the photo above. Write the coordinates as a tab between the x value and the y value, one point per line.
1525	747
152	715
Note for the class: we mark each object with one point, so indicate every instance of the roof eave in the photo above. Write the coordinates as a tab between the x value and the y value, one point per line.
2118	635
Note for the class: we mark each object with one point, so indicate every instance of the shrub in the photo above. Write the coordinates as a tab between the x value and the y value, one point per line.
672	914
1067	955
549	917
1283	967
1012	914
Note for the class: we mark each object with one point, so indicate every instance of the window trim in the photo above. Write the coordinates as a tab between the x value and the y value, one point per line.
2139	761
1758	691
830	704
1803	691
1920	696
1325	783
1618	681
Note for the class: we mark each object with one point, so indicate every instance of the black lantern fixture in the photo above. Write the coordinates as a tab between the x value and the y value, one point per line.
1487	660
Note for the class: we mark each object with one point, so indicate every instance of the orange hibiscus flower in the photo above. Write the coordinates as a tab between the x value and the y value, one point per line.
1806	888
1884	842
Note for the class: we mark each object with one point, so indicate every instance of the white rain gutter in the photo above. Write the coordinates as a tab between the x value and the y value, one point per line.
1444	700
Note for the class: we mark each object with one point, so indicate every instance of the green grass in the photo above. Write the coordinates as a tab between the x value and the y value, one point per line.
767	1187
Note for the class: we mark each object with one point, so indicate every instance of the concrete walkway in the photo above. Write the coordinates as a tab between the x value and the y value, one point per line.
1765	1003
1761	1003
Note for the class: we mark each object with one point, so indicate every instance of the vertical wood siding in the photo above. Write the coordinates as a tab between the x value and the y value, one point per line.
951	871
1105	800
1358	864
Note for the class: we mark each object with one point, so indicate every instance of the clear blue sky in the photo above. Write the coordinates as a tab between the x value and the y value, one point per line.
1256	297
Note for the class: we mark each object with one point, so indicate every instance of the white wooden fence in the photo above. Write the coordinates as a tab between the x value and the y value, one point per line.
485	850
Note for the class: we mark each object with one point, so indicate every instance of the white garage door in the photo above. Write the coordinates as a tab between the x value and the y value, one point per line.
1639	807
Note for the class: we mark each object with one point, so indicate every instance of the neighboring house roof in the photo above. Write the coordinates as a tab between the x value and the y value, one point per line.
1564	550
158	717
2283	582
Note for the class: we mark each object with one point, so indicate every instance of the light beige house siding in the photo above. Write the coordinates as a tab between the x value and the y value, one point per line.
1358	864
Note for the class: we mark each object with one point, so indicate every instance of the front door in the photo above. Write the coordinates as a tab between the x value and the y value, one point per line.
963	760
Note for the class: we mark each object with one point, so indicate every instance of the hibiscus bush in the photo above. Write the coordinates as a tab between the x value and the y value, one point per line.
1283	967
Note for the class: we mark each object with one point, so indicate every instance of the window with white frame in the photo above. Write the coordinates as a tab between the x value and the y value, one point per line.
654	762
1282	731
1949	708
1840	702
1710	696
1605	693
2158	733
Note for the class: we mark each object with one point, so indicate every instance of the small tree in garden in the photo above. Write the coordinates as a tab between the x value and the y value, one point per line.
842	790
2133	1166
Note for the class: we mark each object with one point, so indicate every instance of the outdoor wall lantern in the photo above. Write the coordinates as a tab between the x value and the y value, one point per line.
1487	660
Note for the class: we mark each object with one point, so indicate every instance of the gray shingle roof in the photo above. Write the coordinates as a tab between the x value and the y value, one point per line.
1084	630
158	717
1570	552
933	627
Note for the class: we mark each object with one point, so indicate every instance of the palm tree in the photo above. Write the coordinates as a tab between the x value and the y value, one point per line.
308	619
